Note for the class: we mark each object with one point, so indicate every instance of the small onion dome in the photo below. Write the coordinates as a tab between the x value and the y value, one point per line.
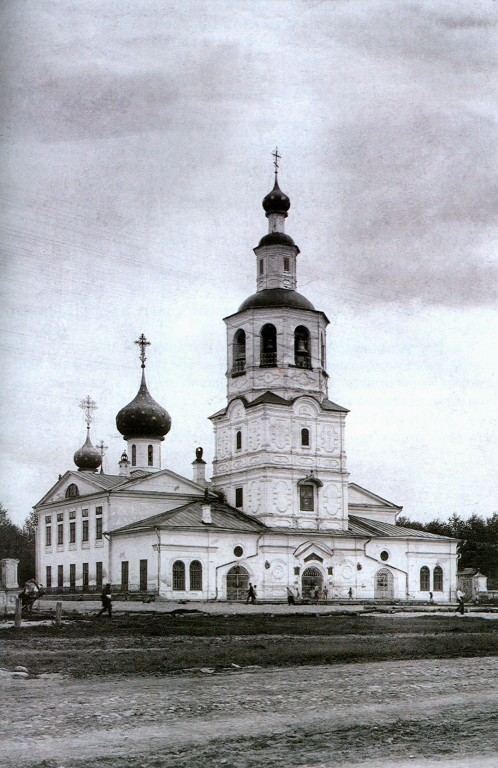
143	417
88	458
277	238
276	201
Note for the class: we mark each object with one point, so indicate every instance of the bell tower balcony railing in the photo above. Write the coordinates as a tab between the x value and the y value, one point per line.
268	359
238	367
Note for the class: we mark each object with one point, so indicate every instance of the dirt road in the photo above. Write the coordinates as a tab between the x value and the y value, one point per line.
421	713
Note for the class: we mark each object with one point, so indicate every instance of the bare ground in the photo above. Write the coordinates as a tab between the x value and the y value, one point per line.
128	695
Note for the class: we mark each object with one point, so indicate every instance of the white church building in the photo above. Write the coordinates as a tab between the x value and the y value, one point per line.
279	511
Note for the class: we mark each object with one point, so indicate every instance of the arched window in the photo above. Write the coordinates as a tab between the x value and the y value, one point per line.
302	351
261	267
133	455
72	491
195	575
238	440
425	579
268	355
150	456
438	579
239	352
305	437
307	497
178	575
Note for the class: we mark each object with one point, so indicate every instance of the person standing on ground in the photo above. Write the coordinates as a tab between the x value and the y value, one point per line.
461	602
325	592
106	598
290	597
249	594
350	593
254	595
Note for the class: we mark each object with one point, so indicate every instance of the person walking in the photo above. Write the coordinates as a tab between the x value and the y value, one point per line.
106	598
350	593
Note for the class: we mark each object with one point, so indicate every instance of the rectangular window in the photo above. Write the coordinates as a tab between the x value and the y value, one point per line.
72	514
98	510
306	497
98	528
84	530
60	517
84	513
286	263
60	533
72	575
124	576
143	575
48	518
72	533
239	497
85	574
48	535
60	575
98	574
261	267
48	576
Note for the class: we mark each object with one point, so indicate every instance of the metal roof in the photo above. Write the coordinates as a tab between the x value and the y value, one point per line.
223	517
362	526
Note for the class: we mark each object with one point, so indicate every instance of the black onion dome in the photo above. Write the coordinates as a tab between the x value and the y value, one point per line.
277	238
143	417
87	458
276	201
276	297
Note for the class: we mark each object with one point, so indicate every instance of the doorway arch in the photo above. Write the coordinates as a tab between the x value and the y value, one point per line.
311	578
237	583
384	585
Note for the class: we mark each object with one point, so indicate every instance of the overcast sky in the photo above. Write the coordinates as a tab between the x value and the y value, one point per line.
135	151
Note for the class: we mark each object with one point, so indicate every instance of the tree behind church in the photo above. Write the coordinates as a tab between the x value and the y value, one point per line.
18	543
478	536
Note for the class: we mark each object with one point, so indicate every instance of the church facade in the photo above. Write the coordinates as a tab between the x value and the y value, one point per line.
279	512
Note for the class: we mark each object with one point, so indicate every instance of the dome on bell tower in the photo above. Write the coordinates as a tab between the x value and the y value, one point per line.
276	201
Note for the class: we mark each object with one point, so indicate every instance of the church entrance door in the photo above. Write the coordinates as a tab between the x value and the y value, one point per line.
311	578
237	583
384	585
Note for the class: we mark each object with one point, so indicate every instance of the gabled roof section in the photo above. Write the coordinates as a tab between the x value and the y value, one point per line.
223	516
328	405
163	481
360	526
88	484
359	496
268	397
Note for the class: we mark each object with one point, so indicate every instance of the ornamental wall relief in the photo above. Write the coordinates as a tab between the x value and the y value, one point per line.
223	449
282	495
329	439
280	435
254	496
331	500
254	436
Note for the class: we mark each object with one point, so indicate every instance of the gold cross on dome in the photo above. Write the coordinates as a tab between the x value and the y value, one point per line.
142	343
277	158
102	448
88	406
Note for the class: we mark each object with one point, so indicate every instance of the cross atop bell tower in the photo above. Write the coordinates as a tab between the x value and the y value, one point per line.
143	343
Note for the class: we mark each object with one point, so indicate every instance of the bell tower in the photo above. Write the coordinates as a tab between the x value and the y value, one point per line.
279	433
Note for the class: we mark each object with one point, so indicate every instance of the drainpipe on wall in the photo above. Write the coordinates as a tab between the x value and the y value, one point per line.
158	534
381	562
235	562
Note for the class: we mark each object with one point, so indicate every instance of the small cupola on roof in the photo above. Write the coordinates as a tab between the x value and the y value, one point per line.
143	417
88	458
